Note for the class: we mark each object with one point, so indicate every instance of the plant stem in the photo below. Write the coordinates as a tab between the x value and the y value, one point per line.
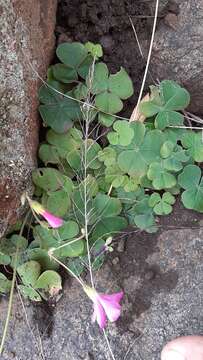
12	290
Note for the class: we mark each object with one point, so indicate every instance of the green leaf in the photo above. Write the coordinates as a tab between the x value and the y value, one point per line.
45	237
5	284
108	102
107	155
144	149
58	203
168	118
50	179
160	177
71	54
64	74
69	230
94	49
92	151
175	97
29	293
194	143
4	259
41	256
49	282
162	205
190	179
76	265
100	79
106	206
167	149
61	114
108	226
48	154
121	84
149	108
29	272
106	120
74	249
10	246
123	135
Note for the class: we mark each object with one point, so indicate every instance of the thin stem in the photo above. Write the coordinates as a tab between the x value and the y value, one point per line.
149	56
108	344
12	290
65	267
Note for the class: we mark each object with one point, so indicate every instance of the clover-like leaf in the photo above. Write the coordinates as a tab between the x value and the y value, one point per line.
160	177
121	84
29	272
100	80
68	230
74	249
162	205
175	97
190	179
5	284
72	54
106	120
144	149
48	154
123	134
167	149
142	215
44	237
194	143
29	293
171	98
57	202
4	259
41	256
58	111
49	282
168	118
107	155
108	102
64	73
106	206
50	179
174	162
108	226
94	49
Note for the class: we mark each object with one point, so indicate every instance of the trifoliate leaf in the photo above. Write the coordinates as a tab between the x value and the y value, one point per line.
5	284
29	272
190	179
29	293
121	84
49	282
194	143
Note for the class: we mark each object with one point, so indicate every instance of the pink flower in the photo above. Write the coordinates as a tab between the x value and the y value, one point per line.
105	306
53	220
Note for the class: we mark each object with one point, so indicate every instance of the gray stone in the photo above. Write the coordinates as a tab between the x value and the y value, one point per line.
178	52
162	279
27	36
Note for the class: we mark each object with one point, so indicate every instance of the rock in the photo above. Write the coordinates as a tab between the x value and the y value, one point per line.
161	276
27	35
177	51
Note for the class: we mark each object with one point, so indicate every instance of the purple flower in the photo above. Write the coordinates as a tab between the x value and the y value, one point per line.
105	306
53	220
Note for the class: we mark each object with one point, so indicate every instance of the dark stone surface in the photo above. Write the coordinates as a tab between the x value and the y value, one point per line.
162	279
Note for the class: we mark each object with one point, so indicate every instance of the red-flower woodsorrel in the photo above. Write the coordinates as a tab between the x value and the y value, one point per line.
53	220
105	306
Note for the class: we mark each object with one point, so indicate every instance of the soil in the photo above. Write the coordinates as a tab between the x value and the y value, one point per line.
109	25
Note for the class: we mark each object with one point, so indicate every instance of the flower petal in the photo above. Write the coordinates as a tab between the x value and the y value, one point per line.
112	297
111	305
53	220
99	315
